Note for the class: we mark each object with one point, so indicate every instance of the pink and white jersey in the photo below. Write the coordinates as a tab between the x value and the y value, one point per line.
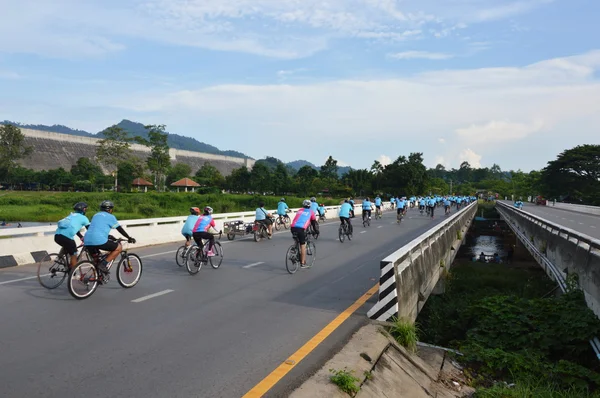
303	218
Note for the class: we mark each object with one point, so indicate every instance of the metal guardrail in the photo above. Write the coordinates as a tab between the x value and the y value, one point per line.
571	235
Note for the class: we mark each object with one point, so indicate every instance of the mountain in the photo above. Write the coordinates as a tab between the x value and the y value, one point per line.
137	129
57	128
298	164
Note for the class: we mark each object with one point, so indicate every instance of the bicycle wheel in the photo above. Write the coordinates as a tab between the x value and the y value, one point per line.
291	259
217	259
52	271
342	234
365	222
180	256
287	222
349	233
311	254
129	271
278	223
231	235
83	281
192	263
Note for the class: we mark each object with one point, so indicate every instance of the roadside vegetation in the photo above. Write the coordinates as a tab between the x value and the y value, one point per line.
519	338
52	206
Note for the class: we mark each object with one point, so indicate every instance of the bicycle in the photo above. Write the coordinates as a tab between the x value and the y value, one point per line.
399	216
344	231
197	256
378	214
321	218
87	273
181	254
58	266
284	221
260	231
292	256
366	220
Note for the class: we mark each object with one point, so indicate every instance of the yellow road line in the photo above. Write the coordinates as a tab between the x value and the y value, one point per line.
268	382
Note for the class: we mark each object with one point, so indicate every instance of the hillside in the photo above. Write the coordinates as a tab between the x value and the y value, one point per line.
298	164
174	140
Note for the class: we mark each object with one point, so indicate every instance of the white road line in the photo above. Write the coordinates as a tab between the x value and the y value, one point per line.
380	226
19	280
253	264
363	232
159	254
592	226
580	223
572	220
148	297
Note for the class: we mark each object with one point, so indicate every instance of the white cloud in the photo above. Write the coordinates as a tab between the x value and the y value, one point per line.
468	155
499	131
441	140
420	55
282	29
384	160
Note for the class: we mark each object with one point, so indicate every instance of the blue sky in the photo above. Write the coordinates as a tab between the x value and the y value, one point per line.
487	81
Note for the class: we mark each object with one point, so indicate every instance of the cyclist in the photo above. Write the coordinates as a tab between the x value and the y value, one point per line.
432	204
378	204
367	206
321	210
201	230
447	205
186	231
351	201
392	202
400	206
70	226
262	217
282	209
314	206
344	214
98	235
304	218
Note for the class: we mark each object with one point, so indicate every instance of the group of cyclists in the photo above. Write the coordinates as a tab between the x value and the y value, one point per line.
200	225
97	236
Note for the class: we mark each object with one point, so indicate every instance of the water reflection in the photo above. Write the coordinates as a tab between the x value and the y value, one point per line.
488	245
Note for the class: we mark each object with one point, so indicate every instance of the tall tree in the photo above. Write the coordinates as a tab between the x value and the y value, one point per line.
159	160
12	148
208	175
260	178
129	170
574	174
330	169
114	148
282	182
177	172
238	180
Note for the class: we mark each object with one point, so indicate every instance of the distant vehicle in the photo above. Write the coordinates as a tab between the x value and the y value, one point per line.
539	200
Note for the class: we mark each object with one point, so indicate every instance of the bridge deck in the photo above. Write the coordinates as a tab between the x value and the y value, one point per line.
216	334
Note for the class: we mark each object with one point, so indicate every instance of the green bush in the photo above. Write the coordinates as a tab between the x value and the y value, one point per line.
405	333
150	211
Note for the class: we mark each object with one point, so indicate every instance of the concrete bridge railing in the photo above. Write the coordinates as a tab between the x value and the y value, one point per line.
593	210
409	275
20	246
559	250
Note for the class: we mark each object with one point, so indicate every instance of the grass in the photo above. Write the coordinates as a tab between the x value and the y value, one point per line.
405	333
509	328
52	206
345	381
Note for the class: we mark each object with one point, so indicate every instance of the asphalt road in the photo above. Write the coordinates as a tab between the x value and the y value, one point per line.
585	223
217	334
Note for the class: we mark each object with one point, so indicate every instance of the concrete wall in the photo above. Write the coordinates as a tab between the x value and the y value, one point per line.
20	246
53	150
411	274
559	250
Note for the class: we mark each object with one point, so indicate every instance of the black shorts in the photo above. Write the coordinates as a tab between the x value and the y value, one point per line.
300	234
198	236
187	237
399	210
67	244
109	246
378	207
266	222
